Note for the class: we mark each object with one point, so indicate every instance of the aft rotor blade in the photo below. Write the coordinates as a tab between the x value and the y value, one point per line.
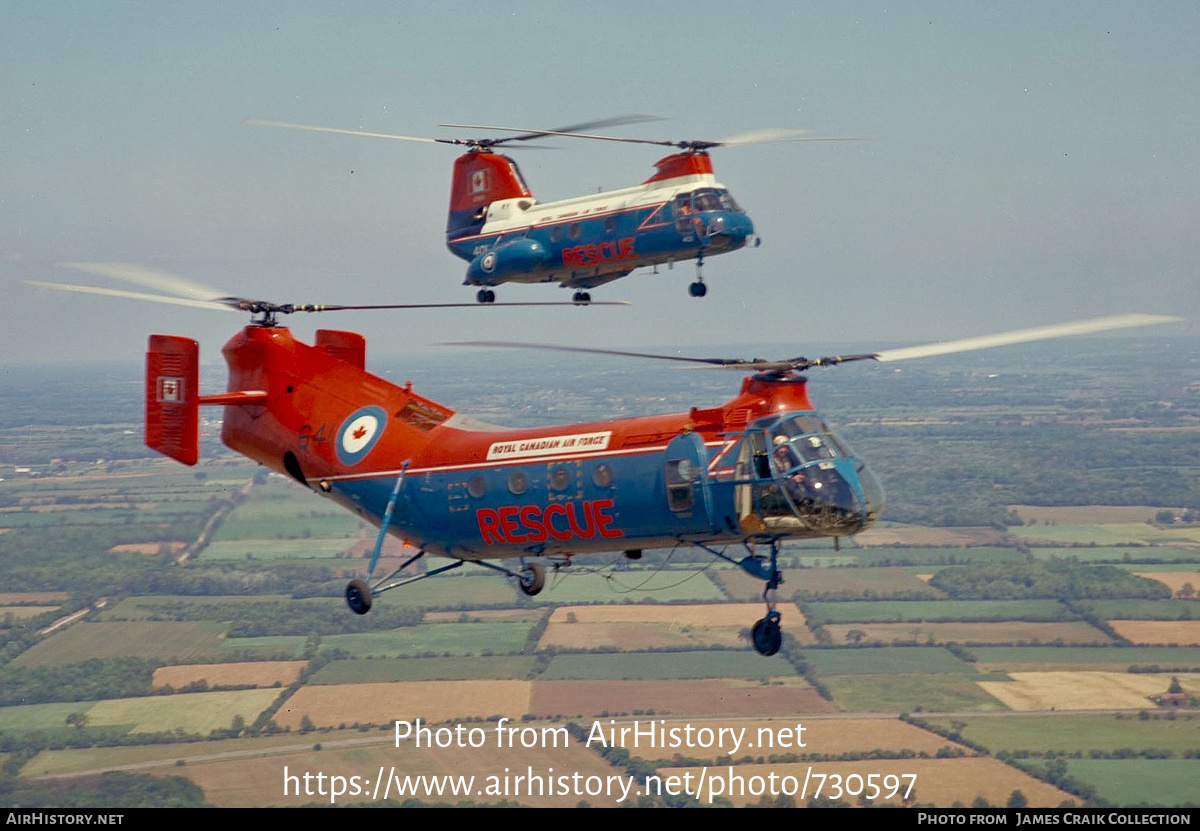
731	363
136	295
1036	333
263	123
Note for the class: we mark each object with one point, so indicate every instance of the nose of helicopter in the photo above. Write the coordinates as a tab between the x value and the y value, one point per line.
729	229
836	497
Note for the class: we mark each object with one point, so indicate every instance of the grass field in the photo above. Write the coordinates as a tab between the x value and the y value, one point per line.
631	584
423	669
190	712
940	556
1145	609
997	632
647	665
1070	733
902	693
1166	782
431	701
1107	658
1109	534
872	660
881	582
27	717
1120	554
502	638
167	641
903	611
680	697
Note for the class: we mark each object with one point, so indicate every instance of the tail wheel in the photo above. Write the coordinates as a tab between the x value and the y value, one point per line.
532	579
358	597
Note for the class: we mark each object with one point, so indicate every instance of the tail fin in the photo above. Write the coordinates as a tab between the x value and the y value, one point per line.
480	178
173	397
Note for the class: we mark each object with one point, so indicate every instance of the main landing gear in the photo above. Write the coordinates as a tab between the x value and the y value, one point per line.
531	579
766	634
581	298
485	296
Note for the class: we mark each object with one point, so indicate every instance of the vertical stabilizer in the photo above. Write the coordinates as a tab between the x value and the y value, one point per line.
480	178
172	397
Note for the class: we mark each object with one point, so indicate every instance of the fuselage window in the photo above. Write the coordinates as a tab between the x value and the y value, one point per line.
575	230
517	483
560	479
556	233
602	476
680	473
477	485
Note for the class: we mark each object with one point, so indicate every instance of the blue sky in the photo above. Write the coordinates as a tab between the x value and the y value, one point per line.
1028	162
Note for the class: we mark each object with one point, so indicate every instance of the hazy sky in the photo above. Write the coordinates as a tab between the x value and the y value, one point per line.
1030	162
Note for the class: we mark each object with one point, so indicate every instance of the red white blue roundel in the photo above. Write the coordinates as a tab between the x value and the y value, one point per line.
358	434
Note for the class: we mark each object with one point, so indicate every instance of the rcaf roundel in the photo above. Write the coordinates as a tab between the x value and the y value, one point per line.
358	434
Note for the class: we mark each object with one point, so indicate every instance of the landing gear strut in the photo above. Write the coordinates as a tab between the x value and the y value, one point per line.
766	634
698	289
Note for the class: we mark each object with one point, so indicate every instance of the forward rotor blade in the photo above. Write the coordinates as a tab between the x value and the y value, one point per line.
501	344
287	125
1036	333
136	295
151	278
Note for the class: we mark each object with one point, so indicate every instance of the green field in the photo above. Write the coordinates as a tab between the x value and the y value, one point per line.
937	556
1068	734
649	665
931	611
1082	658
280	549
170	642
1114	534
1120	554
1146	609
29	717
435	639
1127	782
194	713
423	669
850	582
638	584
876	660
899	693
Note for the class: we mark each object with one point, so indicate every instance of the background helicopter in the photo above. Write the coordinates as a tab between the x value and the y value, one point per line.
507	236
744	475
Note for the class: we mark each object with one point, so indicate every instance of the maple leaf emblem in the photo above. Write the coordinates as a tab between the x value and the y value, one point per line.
360	432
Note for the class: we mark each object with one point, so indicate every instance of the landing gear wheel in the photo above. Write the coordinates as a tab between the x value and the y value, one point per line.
532	579
485	296
358	597
766	635
582	298
697	289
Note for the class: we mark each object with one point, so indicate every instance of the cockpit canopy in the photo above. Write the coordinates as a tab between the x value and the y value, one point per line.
795	475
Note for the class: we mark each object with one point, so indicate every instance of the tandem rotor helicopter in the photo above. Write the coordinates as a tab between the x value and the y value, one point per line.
506	236
734	480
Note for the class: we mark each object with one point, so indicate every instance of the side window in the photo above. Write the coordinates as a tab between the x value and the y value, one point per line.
680	474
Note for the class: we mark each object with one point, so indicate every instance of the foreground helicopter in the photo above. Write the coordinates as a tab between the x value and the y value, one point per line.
507	236
744	476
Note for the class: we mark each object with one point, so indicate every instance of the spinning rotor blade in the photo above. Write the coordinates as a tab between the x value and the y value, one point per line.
1059	330
262	123
764	136
137	295
151	278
